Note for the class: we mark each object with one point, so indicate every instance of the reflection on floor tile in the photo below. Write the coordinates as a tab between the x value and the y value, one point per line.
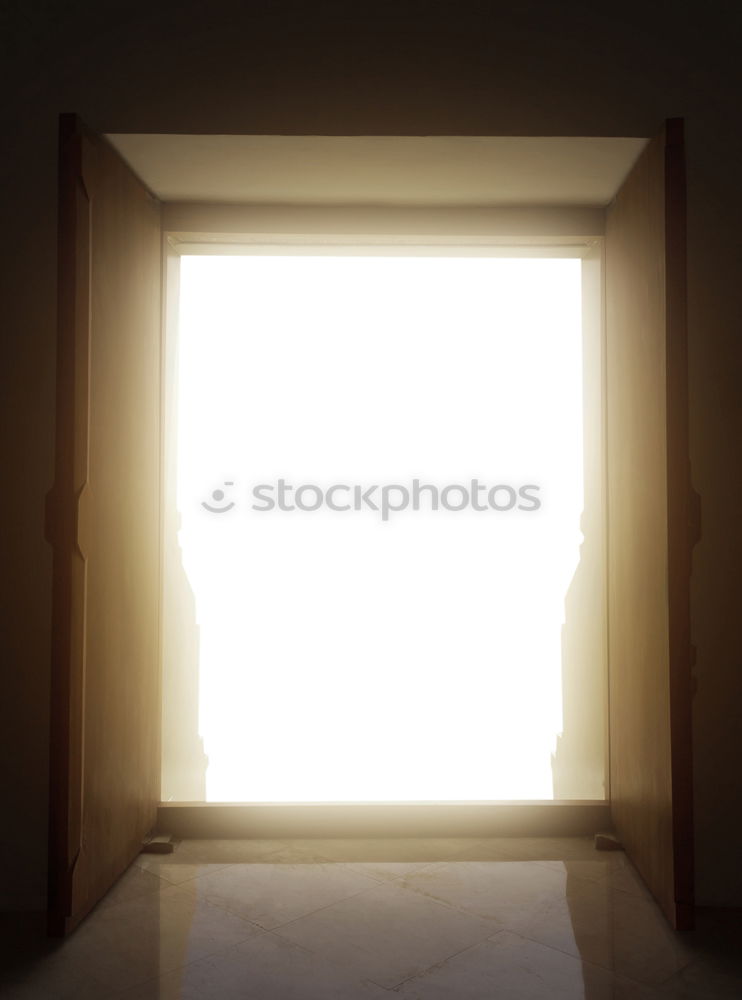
514	967
135	882
621	932
266	967
270	895
412	850
508	966
508	892
444	919
536	849
388	859
387	934
130	942
227	852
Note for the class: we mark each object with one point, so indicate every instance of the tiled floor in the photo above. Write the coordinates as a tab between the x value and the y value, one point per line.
517	919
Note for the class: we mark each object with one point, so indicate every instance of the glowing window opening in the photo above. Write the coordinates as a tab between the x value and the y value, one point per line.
353	369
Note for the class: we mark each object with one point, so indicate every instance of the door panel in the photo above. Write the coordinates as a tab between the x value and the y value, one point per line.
103	520
649	543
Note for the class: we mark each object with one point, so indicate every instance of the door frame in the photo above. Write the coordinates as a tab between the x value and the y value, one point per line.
194	228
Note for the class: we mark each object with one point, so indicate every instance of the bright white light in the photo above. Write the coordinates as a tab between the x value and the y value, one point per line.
344	658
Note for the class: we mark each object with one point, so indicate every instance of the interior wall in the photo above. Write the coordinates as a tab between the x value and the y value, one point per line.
327	67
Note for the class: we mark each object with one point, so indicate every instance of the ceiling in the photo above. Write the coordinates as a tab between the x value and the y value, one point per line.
380	170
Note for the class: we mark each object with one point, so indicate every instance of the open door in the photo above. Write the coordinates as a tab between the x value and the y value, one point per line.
651	524
103	521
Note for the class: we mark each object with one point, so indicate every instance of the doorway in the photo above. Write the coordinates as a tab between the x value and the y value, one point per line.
113	527
385	564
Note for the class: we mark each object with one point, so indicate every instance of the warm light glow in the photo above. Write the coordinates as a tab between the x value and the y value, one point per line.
344	657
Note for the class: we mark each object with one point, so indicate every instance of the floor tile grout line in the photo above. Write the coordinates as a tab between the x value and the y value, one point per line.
452	906
396	881
392	882
448	906
465	912
262	932
323	957
103	905
393	878
184	965
596	965
438	965
192	878
109	907
375	885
